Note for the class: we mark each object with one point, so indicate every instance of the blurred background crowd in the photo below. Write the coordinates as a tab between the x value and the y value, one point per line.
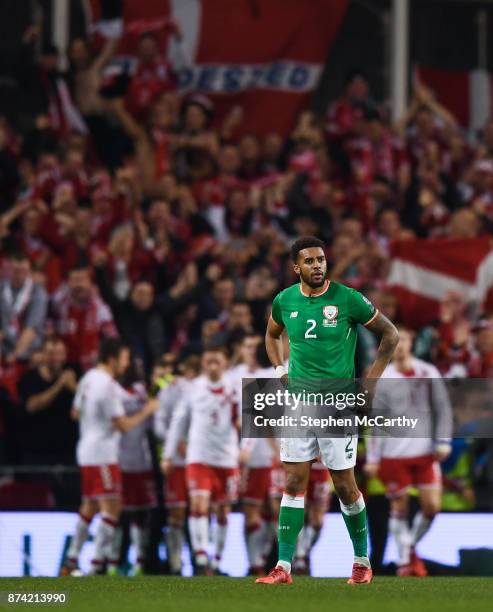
127	209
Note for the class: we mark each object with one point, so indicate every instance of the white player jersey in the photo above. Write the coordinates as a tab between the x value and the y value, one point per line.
208	412
169	398
98	402
260	449
135	453
422	399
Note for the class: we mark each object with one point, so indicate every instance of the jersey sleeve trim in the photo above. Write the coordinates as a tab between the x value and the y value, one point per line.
281	324
377	312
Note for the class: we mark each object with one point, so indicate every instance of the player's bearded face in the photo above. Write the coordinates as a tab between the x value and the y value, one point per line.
312	267
313	279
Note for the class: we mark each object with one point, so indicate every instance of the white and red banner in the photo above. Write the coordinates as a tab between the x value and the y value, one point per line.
468	94
424	271
265	55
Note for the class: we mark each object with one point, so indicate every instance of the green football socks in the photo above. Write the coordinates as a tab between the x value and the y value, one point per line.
355	518
291	519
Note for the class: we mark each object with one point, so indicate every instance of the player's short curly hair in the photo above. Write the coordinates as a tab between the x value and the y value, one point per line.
305	242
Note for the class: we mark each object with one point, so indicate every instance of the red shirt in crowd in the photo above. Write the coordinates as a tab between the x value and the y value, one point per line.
148	82
81	326
342	117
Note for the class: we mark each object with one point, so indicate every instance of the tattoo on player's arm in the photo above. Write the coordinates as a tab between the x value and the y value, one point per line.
389	337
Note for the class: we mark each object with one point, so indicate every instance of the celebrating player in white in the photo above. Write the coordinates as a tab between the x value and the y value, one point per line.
258	456
175	494
210	414
102	418
405	462
135	460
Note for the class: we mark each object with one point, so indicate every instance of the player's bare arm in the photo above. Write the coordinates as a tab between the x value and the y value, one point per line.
389	337
273	345
128	422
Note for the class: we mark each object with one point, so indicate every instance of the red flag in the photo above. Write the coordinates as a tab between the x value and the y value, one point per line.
468	94
265	56
423	271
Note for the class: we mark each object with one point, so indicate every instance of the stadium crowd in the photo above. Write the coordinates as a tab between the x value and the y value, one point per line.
127	210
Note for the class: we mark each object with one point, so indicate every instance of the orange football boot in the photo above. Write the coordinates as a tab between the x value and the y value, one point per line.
419	568
276	576
361	574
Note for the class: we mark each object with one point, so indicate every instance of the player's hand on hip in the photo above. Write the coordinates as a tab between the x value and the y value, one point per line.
442	451
182	448
166	465
244	456
282	375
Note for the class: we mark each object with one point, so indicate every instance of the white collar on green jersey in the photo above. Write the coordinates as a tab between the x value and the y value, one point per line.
318	295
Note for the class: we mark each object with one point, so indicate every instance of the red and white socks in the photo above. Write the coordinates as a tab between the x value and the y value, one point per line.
104	539
421	525
255	536
139	536
198	525
306	541
220	534
78	540
175	538
399	528
406	538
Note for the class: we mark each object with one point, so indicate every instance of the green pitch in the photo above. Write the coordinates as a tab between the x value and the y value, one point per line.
161	594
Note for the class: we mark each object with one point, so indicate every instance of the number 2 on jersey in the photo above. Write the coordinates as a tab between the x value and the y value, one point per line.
311	326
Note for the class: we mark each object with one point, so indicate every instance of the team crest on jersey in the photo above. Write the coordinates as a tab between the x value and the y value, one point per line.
330	315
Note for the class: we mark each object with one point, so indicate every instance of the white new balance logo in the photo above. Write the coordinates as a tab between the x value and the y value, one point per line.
294	314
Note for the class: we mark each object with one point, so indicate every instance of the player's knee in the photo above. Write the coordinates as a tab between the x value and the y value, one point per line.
222	514
295	484
252	515
112	508
317	522
198	505
175	522
347	491
87	511
430	510
399	507
251	522
177	516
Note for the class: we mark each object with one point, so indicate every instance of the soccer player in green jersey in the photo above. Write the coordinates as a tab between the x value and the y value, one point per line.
321	318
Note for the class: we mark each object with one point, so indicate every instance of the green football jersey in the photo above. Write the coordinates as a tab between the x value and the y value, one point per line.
322	330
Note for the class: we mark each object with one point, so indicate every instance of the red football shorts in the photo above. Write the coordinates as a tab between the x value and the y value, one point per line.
255	484
220	483
400	474
175	491
139	490
318	492
278	482
98	481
